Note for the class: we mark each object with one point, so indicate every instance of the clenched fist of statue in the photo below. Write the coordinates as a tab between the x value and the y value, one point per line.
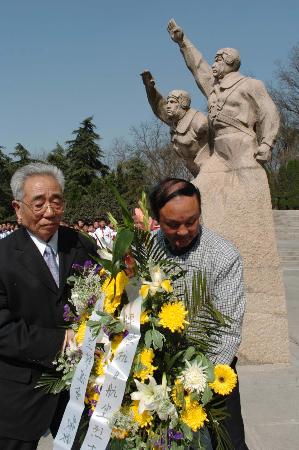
147	78
264	153
176	32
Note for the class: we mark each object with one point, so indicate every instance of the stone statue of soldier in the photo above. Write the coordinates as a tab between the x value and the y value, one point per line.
236	203
188	127
242	115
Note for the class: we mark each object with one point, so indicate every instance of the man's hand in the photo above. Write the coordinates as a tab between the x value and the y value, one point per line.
147	78
264	153
176	32
69	339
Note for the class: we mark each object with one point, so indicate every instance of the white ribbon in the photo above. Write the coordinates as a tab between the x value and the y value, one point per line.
74	409
116	375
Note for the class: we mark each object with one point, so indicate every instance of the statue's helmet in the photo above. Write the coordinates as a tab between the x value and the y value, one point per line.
231	56
182	97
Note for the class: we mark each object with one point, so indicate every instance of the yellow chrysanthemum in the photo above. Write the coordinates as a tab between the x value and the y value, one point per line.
144	318
115	286
177	393
102	272
119	433
146	358
225	379
80	333
99	366
115	343
193	415
143	419
110	304
144	290
113	290
172	316
166	285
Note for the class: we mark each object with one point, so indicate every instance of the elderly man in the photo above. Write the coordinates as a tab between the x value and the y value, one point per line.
35	262
176	205
188	127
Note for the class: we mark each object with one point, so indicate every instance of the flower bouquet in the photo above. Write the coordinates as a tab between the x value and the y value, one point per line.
138	377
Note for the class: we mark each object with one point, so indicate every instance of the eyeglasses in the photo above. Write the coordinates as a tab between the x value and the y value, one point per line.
39	208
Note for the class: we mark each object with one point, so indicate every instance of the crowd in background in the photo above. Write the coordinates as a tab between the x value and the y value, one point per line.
7	228
100	229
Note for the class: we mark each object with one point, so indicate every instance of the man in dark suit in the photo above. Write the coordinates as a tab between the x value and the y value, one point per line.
35	262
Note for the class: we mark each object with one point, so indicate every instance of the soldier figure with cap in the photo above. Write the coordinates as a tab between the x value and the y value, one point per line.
242	116
188	127
243	124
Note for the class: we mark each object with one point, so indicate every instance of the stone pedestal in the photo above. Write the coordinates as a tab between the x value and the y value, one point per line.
237	205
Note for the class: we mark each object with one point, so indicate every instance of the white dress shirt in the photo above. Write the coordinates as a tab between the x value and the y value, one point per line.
41	245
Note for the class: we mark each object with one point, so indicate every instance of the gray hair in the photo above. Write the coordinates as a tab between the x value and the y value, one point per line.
38	168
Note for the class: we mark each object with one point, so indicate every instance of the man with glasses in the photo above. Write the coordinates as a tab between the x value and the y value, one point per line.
35	263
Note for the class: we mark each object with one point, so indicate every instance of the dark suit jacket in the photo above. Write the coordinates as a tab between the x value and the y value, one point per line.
31	316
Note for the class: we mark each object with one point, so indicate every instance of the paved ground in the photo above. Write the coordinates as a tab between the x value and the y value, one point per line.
270	393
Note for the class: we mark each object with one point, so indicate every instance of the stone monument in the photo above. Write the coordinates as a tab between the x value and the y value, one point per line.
243	124
188	127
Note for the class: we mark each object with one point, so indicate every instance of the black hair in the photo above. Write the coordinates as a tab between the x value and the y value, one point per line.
163	192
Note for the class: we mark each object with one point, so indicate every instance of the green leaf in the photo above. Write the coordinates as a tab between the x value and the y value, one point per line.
148	338
188	434
116	327
121	244
207	395
174	358
189	353
154	338
106	263
158	339
71	279
127	217
54	383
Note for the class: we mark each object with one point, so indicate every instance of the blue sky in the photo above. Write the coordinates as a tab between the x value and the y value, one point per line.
64	60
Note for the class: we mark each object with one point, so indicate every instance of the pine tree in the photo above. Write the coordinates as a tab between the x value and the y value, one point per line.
58	158
22	154
84	156
6	171
132	177
287	186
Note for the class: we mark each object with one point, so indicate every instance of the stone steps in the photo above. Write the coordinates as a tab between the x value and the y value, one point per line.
287	233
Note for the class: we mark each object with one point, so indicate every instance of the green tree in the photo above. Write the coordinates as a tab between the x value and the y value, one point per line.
96	203
131	178
285	93
84	155
22	156
6	171
58	158
83	171
286	90
285	187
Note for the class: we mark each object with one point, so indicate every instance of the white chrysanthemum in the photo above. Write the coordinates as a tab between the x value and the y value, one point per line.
194	377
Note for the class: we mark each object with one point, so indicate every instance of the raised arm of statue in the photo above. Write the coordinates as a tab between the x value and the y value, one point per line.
155	99
195	62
